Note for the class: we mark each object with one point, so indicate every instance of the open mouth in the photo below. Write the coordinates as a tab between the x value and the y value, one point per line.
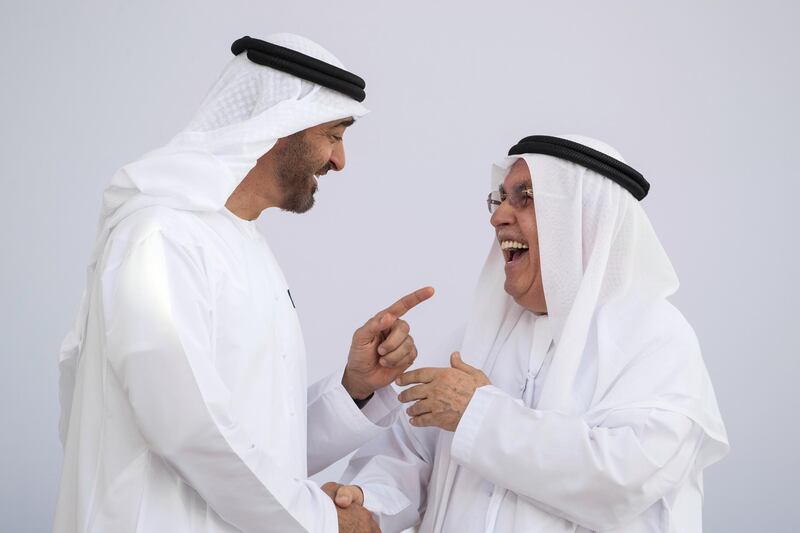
316	177
513	251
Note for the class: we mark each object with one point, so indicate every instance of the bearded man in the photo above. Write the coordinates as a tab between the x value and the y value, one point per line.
183	382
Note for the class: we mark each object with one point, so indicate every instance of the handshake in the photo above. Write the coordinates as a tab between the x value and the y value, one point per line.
349	501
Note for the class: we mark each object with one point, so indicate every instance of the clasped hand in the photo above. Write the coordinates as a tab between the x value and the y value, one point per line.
349	501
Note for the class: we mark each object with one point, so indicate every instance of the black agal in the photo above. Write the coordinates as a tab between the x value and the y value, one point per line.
300	65
614	169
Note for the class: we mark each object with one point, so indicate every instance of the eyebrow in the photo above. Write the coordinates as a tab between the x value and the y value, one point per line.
345	123
518	186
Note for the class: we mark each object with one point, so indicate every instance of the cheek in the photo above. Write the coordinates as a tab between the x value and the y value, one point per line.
536	267
534	257
320	157
528	227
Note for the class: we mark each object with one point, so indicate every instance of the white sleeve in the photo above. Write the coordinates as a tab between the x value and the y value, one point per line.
393	471
336	426
156	304
598	477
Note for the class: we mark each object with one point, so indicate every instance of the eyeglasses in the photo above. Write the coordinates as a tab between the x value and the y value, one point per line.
518	198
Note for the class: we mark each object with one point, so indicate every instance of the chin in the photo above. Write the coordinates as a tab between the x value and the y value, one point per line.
535	308
516	295
306	206
523	299
297	206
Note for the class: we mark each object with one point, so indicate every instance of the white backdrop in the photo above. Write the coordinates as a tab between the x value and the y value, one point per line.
700	96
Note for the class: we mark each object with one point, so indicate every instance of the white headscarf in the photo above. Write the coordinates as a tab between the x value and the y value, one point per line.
618	342
248	109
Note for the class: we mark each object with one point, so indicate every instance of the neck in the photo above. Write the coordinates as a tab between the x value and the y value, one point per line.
256	192
246	204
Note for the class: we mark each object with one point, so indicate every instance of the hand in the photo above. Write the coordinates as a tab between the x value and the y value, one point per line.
344	495
382	349
354	518
443	393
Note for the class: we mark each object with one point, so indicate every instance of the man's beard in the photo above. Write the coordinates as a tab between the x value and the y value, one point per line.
295	170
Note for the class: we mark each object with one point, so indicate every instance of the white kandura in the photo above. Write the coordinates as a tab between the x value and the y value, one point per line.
601	415
184	400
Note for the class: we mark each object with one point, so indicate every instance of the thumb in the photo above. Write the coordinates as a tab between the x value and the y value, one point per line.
348	494
459	364
374	326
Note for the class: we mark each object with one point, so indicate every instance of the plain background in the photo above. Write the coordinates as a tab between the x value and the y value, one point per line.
700	96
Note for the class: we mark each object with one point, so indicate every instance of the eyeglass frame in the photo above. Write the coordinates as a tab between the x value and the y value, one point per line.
514	197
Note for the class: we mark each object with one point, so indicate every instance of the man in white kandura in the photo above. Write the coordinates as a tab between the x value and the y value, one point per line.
183	382
587	405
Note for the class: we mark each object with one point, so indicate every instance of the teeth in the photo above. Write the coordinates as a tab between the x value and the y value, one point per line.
513	245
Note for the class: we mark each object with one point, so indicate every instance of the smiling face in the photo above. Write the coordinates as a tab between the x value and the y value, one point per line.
304	156
519	242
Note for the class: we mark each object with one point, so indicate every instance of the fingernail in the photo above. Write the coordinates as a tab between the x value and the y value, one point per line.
382	350
383	362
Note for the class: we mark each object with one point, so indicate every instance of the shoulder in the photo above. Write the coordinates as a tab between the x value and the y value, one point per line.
180	237
178	226
639	322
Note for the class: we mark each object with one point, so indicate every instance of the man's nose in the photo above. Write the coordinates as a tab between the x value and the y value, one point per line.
337	159
503	215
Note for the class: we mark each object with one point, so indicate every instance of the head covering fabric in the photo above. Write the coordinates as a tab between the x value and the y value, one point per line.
302	66
244	114
619	343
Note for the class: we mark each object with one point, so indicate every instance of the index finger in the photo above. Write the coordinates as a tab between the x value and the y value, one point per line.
420	375
409	301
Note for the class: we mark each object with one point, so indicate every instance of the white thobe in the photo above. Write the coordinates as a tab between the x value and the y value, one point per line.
512	468
190	407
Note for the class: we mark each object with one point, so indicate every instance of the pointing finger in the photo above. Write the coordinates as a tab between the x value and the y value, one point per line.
409	301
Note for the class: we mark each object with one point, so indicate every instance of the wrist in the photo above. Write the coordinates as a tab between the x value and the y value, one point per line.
363	403
357	392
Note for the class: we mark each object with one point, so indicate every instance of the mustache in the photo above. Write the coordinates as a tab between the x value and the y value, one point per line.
324	169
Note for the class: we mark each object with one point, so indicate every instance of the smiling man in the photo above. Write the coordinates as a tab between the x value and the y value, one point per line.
288	175
587	405
184	400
